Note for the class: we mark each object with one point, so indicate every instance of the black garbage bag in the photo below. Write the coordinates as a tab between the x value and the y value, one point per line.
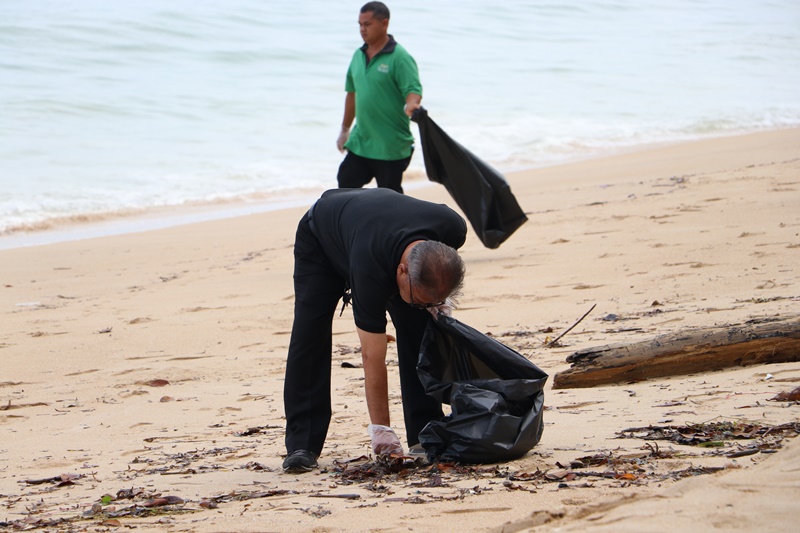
495	394
479	190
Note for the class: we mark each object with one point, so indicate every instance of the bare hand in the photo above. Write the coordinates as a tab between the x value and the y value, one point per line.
343	136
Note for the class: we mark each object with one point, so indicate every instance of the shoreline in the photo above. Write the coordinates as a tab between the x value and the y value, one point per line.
82	227
162	218
143	372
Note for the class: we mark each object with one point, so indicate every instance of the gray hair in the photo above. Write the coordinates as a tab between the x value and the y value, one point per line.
437	267
378	10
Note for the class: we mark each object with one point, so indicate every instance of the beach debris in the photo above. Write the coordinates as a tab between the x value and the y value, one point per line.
716	434
129	494
344	349
156	383
434	482
743	453
257	430
670	404
60	480
240	495
787	396
105	513
150	504
317	512
511	486
29	523
622	469
554	342
9	405
197	461
257	467
362	469
161	501
757	341
523	340
329	495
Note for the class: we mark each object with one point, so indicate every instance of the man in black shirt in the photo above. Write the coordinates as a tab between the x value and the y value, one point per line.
393	253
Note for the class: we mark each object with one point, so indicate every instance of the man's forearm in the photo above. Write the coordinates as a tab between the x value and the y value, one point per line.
376	388
349	111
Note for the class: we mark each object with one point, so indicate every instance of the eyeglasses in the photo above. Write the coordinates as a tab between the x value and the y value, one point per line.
415	304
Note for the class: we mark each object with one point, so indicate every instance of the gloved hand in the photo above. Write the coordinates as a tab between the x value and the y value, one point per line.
445	309
343	136
384	440
410	108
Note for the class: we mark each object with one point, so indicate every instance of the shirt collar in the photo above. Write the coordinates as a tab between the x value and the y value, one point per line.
388	49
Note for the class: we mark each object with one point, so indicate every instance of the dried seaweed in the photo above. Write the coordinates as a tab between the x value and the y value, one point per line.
787	396
437	482
714	434
258	430
60	480
144	504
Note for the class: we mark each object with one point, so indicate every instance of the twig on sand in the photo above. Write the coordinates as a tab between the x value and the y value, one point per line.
554	341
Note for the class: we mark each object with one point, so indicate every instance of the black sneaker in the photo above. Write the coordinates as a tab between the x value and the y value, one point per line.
299	461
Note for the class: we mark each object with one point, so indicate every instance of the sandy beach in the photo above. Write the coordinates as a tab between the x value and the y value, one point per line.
142	374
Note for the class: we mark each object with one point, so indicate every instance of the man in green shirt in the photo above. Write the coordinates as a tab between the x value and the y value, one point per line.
383	90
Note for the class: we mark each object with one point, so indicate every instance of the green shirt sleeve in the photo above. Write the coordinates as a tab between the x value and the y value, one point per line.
407	75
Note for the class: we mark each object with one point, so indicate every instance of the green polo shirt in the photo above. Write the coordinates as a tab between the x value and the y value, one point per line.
381	86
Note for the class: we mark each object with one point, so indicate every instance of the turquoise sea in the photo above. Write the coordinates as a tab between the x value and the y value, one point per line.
109	109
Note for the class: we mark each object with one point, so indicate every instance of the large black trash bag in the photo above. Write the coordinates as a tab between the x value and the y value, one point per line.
479	190
495	394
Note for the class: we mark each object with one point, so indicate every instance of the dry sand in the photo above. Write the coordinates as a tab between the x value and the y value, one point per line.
151	364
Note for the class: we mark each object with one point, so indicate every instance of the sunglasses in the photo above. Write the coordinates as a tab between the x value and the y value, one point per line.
415	304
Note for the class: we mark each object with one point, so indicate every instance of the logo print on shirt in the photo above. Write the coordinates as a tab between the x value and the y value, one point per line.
383	67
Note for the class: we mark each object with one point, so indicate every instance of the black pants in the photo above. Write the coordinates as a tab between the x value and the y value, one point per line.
356	171
307	388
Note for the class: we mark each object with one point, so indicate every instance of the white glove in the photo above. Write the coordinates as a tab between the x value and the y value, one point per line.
343	136
445	309
384	440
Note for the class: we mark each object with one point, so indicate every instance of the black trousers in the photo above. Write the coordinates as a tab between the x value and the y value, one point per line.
356	171
307	388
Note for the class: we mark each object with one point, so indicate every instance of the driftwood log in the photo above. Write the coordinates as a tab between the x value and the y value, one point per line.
757	341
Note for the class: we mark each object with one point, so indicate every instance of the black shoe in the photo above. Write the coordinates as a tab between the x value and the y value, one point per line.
299	461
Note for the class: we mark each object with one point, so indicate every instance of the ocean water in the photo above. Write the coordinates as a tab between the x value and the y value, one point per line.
109	109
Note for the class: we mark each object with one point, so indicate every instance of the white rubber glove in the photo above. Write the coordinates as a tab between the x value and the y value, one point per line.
343	136
384	440
445	309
